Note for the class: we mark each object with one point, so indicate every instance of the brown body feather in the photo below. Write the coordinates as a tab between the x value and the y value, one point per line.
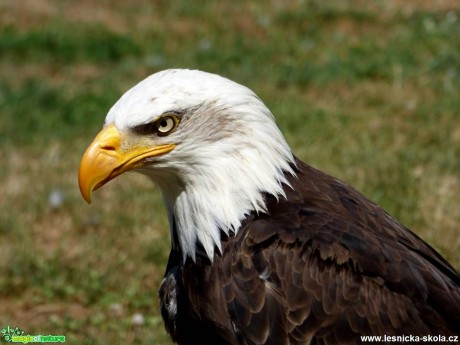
323	266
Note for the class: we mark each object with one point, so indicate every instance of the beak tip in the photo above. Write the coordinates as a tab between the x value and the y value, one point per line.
86	194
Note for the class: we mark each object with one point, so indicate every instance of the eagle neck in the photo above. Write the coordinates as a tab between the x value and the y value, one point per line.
216	199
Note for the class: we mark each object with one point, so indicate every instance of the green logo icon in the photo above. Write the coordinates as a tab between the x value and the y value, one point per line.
8	332
16	335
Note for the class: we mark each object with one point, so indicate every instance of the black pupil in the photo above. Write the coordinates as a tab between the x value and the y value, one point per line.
163	123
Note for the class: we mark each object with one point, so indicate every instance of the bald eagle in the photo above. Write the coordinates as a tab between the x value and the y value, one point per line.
265	249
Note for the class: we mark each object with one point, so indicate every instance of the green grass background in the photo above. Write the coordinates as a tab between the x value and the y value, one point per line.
368	91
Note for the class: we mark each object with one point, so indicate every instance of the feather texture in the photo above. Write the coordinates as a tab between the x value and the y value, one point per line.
323	266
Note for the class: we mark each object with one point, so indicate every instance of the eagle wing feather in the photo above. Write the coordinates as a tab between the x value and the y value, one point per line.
326	265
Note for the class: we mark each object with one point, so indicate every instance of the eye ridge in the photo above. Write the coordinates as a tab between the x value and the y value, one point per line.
159	127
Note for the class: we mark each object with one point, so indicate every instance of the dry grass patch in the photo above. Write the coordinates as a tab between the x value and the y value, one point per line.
439	206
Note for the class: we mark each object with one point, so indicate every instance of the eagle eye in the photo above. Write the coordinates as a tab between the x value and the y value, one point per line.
161	127
166	124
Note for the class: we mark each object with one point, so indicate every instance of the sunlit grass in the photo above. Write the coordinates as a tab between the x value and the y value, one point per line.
367	93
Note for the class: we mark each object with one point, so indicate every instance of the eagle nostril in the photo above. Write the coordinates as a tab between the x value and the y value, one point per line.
108	147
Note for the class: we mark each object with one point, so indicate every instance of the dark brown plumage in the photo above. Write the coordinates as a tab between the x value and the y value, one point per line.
324	266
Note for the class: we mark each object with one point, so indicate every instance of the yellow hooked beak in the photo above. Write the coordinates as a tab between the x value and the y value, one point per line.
105	159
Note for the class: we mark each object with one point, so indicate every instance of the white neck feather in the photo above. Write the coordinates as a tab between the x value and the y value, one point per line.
220	184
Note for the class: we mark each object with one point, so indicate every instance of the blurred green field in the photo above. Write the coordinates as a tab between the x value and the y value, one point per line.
368	91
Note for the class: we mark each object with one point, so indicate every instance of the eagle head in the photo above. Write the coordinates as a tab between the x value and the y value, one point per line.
208	143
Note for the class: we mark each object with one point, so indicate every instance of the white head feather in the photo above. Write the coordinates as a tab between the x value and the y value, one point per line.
228	153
